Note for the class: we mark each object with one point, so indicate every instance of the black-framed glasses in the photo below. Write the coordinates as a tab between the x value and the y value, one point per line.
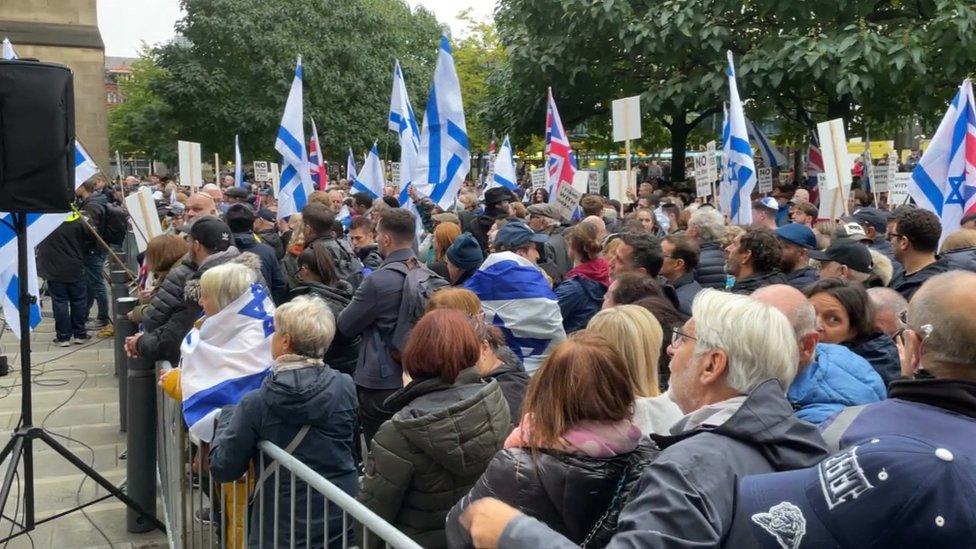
678	337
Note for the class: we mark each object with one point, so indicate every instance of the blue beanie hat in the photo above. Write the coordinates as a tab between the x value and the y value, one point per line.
465	252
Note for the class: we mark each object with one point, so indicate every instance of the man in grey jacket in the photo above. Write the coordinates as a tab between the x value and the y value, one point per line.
373	314
730	364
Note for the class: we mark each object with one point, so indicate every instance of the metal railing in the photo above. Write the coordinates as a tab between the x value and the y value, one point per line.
244	515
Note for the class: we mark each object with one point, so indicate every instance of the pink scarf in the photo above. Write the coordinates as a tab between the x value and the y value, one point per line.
598	439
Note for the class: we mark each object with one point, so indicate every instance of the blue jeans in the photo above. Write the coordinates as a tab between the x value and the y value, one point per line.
68	302
95	282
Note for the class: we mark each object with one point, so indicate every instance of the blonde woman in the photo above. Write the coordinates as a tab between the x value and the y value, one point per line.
636	335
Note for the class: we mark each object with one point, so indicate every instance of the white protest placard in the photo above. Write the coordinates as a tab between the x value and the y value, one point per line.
879	179
898	188
711	167
581	180
892	166
191	168
703	185
275	176
626	118
145	217
702	188
593	182
837	169
618	184
395	174
567	200
538	178
261	171
765	177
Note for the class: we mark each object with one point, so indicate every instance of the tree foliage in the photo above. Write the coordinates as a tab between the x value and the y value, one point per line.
477	54
230	69
144	123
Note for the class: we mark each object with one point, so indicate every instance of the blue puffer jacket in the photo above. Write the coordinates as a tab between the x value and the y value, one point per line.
579	299
836	378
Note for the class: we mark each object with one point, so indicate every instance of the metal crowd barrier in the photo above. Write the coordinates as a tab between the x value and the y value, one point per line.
189	493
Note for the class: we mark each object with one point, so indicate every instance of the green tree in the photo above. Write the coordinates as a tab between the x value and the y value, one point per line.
477	54
145	122
231	67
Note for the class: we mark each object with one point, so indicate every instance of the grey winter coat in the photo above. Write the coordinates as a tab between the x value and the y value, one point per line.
686	498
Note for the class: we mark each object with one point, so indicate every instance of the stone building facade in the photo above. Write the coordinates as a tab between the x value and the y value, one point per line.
66	32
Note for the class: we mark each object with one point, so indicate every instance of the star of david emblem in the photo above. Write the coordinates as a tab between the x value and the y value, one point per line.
955	190
255	309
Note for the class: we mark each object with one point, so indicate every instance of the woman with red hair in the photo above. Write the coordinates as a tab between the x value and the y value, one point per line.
438	444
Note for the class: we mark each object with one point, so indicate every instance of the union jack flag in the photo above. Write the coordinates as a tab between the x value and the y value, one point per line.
561	167
815	166
316	164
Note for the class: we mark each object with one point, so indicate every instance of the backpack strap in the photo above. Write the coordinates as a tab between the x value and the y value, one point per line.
273	466
833	433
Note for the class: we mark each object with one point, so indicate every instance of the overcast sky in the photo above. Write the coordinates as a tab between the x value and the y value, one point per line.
126	24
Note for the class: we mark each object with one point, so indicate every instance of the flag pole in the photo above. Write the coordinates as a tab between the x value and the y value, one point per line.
217	169
627	152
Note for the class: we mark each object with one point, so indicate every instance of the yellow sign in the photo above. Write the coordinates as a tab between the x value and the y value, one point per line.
924	144
905	153
878	148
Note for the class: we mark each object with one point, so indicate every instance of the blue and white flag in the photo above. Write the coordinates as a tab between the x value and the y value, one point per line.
8	50
739	175
770	154
238	167
504	169
371	179
351	167
404	122
944	180
516	298
444	159
228	356
296	180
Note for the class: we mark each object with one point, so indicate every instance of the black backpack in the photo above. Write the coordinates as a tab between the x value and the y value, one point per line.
115	224
347	264
419	283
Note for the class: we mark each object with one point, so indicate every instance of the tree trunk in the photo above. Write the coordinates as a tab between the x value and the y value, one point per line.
679	143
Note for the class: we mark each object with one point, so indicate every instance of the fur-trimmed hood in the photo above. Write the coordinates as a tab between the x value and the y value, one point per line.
231	255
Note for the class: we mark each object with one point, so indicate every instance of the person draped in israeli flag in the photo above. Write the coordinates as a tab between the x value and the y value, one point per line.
444	159
371	178
226	356
944	180
516	298
739	175
504	170
296	180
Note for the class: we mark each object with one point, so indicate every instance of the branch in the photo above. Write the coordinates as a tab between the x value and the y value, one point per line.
702	116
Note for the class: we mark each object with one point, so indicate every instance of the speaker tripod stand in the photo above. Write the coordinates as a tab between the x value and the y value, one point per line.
21	444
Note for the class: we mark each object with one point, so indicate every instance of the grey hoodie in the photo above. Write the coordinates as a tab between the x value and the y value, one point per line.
686	497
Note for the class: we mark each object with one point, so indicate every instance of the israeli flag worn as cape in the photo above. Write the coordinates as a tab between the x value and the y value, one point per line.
516	298
228	356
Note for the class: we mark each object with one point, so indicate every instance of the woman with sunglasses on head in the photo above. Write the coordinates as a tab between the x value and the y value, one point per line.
845	316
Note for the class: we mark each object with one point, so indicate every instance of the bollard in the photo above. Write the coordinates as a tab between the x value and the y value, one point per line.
119	288
140	463
123	329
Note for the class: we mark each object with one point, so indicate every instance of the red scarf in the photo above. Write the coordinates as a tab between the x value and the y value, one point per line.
597	270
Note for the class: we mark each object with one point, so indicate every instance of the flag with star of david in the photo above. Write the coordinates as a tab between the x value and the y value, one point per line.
228	356
944	180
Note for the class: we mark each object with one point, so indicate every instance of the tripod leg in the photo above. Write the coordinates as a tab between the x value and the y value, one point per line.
13	449
102	481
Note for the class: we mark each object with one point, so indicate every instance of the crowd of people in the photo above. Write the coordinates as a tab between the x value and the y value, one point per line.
644	374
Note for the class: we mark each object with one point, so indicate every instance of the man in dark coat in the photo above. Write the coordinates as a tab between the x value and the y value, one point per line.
463	257
61	262
914	235
680	254
797	241
707	226
753	259
93	205
240	218
498	202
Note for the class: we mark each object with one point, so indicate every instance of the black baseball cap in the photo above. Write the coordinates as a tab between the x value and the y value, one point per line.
211	232
848	252
873	217
240	218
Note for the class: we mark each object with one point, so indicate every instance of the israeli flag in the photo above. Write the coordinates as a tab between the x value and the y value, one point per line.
39	226
8	50
739	175
516	298
351	167
944	180
444	159
404	122
504	169
770	154
296	180
228	356
238	167
371	179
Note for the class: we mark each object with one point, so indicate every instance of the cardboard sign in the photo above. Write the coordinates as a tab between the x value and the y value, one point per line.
618	184
700	169
395	174
703	188
539	178
878	148
593	182
765	177
837	169
898	188
626	118
145	217
275	176
581	181
879	179
191	168
261	174
567	200
711	167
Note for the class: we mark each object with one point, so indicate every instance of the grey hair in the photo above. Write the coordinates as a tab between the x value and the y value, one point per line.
886	299
710	223
225	283
952	339
757	338
309	322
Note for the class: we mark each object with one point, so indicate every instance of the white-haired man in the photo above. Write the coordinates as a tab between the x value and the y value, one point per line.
730	364
707	227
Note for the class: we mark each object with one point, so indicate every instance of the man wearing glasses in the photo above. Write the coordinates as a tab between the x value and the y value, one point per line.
914	236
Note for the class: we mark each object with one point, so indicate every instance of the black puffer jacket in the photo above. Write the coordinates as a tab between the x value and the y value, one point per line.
567	492
432	452
710	271
755	281
343	351
169	295
511	377
963	258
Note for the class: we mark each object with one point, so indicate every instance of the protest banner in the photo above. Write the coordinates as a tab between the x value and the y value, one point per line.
898	188
837	169
538	178
626	122
191	169
395	174
275	175
567	200
618	184
593	182
765	178
261	174
581	180
703	185
145	217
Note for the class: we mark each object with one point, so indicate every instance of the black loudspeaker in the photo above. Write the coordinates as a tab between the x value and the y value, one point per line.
37	136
